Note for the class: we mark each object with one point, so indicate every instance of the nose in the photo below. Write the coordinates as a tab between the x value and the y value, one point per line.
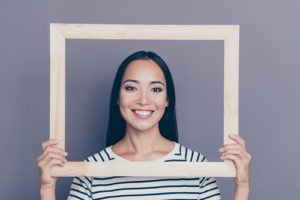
143	98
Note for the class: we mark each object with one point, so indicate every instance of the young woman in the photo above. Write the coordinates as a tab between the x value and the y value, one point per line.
142	127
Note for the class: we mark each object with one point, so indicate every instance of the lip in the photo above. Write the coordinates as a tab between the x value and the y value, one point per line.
142	114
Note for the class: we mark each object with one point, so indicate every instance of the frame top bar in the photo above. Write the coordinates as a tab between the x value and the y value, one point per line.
145	32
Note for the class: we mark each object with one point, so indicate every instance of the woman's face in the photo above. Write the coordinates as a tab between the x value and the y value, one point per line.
143	95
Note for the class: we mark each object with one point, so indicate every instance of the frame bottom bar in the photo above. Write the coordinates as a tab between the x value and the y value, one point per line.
146	169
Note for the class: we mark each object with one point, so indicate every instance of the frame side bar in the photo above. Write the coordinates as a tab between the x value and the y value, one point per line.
57	86
231	88
231	83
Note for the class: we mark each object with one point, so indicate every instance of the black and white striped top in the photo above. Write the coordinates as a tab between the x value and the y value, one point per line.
119	187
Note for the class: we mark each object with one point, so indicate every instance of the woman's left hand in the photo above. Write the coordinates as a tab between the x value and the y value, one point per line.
241	158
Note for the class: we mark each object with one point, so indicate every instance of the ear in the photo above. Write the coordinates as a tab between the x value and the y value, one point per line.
167	103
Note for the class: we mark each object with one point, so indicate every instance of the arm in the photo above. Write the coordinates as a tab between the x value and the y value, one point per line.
51	156
241	158
47	193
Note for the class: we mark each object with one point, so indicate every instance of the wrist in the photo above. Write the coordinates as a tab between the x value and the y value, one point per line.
242	191
242	185
47	192
47	187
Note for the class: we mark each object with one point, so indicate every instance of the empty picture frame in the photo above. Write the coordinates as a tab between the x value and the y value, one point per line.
58	35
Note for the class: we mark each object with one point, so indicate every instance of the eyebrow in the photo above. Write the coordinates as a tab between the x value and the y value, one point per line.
135	81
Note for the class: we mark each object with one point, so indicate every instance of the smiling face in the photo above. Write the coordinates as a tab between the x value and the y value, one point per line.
143	95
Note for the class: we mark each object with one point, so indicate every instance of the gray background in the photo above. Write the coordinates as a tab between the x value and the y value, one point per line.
269	85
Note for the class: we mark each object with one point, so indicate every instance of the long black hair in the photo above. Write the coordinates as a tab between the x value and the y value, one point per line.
117	126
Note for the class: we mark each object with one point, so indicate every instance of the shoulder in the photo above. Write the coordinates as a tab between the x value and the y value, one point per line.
182	153
104	155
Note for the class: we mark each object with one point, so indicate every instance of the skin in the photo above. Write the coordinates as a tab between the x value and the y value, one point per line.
51	156
143	89
142	102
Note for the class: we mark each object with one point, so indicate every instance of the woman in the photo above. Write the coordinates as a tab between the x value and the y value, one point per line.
142	127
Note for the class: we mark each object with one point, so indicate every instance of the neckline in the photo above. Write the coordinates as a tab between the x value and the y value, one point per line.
120	158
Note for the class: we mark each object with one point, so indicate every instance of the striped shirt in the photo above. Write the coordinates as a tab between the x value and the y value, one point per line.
120	187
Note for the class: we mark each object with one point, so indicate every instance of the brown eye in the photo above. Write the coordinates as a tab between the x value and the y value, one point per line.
156	89
130	88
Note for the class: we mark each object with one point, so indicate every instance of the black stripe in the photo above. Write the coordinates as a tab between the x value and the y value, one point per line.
198	156
191	159
179	154
203	159
107	178
145	188
94	158
75	197
150	194
80	185
77	191
82	178
215	188
101	157
209	183
201	181
108	156
185	155
218	194
146	181
174	160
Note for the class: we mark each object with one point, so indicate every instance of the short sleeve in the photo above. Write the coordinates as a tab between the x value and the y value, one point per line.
81	188
208	187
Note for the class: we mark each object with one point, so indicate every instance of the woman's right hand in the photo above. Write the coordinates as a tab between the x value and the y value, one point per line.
51	156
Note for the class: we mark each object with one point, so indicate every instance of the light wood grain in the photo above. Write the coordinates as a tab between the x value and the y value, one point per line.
145	169
60	32
144	32
57	85
231	85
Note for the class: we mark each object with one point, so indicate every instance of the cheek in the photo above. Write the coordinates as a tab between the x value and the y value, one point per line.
126	100
161	103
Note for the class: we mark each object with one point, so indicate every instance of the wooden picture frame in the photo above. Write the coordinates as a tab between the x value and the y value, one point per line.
58	35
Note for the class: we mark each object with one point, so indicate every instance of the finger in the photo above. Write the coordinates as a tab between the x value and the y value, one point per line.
54	150
240	159
236	150
52	162
48	156
236	159
48	143
227	147
242	168
51	155
49	161
238	140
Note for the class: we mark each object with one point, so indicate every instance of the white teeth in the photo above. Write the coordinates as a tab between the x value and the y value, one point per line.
144	113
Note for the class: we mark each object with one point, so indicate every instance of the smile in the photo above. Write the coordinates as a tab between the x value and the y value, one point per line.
143	113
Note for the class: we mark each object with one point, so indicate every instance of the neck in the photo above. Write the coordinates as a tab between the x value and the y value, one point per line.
143	145
143	141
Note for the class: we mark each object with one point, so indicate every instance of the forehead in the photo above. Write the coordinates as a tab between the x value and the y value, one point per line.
143	69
